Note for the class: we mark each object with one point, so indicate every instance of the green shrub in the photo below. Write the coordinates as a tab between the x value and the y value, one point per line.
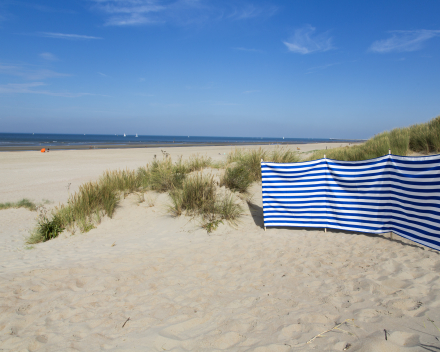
237	178
47	227
211	226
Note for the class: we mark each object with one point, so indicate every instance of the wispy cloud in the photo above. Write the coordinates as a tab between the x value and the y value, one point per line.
144	12
30	88
66	36
132	12
102	74
48	56
401	41
305	41
251	11
28	72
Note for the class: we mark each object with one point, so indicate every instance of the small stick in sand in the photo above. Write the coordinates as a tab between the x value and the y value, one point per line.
126	321
333	328
432	321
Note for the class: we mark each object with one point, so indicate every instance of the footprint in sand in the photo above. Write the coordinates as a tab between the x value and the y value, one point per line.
23	309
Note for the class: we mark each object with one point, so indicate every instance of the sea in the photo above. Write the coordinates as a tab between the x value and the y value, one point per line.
31	140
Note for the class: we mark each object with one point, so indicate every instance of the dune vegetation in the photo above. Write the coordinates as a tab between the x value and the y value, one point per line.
249	160
196	194
190	194
421	138
24	203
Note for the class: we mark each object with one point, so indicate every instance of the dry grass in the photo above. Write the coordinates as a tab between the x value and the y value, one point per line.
162	176
237	178
85	208
199	197
197	163
422	138
397	140
246	165
425	138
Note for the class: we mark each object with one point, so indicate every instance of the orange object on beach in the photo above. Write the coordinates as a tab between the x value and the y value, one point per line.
43	150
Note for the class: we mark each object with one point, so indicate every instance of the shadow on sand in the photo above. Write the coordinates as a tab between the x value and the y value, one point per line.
258	217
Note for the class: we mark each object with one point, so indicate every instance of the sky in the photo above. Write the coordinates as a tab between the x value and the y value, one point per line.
297	68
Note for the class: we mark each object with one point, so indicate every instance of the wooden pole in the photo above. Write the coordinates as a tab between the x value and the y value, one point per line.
389	151
263	220
325	228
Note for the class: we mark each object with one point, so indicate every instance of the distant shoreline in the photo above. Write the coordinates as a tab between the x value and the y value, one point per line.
162	145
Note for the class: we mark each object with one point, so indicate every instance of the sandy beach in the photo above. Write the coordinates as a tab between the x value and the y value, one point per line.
146	281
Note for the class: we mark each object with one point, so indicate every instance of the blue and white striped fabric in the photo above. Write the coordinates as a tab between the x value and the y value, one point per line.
390	193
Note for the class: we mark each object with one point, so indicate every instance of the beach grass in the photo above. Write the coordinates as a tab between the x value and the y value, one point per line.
48	227
162	176
237	178
199	197
197	163
397	141
197	194
93	200
24	203
420	138
245	165
425	138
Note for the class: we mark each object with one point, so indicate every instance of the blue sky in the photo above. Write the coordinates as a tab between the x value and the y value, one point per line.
306	68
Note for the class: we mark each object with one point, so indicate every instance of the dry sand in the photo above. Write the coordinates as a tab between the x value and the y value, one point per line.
144	281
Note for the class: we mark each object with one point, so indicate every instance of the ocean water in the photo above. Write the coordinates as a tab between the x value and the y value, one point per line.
71	140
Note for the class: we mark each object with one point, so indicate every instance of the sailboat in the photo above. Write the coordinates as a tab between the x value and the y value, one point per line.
125	135
136	135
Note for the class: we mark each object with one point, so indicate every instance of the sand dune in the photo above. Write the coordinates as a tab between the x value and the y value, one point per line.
144	281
